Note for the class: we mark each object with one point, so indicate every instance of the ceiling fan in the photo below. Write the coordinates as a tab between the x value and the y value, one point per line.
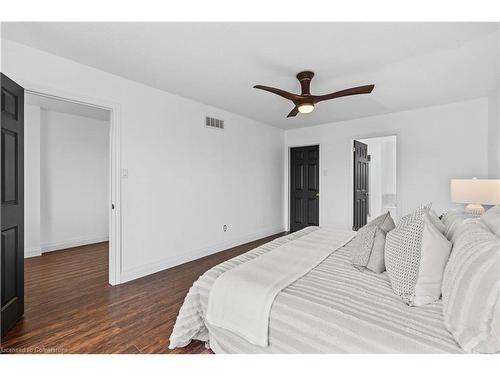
304	103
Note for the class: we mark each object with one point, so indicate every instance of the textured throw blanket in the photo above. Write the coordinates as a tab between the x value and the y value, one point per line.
241	298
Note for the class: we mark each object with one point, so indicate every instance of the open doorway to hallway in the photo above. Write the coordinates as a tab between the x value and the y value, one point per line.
67	174
375	178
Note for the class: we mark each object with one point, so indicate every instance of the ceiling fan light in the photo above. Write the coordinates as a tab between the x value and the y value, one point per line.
306	108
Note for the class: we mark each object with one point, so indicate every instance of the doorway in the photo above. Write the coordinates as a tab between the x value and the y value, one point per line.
67	174
374	179
114	196
304	187
12	161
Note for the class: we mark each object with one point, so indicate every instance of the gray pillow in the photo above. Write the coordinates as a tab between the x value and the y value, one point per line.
368	252
452	220
492	219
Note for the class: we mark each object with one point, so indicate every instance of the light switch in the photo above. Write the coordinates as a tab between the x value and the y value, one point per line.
124	173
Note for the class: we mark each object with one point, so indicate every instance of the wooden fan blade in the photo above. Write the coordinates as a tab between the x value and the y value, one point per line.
347	92
282	93
293	112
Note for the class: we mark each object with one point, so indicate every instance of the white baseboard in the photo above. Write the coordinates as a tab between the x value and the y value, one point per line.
72	243
32	252
164	264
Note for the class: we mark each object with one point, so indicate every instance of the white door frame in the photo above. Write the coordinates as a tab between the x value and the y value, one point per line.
115	243
397	134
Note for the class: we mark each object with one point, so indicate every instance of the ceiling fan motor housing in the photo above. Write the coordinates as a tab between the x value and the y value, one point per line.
305	81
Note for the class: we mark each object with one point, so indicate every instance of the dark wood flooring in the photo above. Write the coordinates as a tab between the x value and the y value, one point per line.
71	308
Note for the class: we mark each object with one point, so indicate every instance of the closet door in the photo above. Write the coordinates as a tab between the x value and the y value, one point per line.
304	187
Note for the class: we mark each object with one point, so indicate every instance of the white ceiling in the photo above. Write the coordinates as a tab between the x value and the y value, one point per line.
411	64
67	107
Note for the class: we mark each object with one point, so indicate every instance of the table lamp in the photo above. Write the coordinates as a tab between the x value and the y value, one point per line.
475	192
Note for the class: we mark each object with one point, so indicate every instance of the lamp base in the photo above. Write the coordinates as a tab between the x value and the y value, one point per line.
475	210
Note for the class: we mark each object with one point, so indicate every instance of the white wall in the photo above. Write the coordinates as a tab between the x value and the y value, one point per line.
494	124
375	176
389	166
434	145
31	181
497	174
185	181
494	131
74	180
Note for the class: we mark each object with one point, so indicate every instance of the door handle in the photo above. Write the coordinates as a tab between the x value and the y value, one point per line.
317	195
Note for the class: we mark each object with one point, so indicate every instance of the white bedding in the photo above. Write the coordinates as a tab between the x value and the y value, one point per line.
257	282
334	308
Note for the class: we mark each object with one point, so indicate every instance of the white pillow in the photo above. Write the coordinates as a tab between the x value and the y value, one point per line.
416	253
471	289
492	219
452	220
436	221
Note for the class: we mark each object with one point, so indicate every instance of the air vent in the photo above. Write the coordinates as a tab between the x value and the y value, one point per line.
214	123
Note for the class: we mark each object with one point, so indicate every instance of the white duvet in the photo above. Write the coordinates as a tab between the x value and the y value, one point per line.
241	298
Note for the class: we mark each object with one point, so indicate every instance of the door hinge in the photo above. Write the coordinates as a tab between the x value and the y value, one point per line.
354	149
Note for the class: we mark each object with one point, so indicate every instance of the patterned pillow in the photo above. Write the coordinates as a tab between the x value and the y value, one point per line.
416	253
370	243
471	289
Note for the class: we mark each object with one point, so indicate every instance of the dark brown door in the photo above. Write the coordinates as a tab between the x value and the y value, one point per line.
361	193
12	203
304	187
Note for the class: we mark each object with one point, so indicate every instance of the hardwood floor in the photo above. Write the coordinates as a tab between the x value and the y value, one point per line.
71	308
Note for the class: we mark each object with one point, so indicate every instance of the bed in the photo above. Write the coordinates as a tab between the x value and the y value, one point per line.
334	308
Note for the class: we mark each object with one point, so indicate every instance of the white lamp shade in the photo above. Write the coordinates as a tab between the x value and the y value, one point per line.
475	191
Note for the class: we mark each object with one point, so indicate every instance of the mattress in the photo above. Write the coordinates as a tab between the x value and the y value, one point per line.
332	309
